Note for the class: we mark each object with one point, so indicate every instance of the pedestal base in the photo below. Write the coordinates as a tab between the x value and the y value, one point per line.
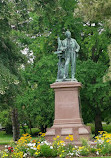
67	113
78	132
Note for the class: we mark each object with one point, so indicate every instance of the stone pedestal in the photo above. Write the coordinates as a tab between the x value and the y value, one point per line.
67	112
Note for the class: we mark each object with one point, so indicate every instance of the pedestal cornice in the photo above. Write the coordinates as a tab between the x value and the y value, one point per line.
66	84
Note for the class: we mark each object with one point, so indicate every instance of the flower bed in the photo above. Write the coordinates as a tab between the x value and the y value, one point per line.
24	147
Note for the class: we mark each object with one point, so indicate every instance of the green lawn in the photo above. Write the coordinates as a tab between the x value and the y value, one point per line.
106	127
4	138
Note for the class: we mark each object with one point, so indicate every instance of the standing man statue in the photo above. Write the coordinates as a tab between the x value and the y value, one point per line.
67	52
72	48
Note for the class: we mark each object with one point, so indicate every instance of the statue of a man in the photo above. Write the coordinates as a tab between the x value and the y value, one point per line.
71	50
66	52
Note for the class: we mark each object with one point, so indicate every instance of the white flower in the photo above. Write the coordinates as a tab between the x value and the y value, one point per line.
6	150
100	141
77	153
97	152
30	144
33	148
70	154
45	142
25	155
34	144
51	147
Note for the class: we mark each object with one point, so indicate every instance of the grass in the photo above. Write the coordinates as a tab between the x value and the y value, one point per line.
35	131
106	127
4	138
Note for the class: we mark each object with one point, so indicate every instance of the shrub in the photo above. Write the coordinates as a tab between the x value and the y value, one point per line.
47	151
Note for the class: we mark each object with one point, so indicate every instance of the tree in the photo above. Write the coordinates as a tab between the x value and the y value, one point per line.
36	99
94	11
48	21
95	93
11	18
96	39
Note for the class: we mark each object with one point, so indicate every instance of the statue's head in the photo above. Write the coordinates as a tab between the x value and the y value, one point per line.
68	34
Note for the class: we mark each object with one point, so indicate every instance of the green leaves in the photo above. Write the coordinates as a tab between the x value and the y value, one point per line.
95	92
92	10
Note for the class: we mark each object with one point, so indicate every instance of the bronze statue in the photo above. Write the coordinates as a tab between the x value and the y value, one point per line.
67	52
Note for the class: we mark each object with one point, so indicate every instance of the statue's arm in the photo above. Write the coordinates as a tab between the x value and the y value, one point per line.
77	46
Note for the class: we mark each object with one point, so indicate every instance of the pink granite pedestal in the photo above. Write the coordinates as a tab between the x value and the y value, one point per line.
67	113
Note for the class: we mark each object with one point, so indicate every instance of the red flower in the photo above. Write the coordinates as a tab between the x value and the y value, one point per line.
34	141
9	148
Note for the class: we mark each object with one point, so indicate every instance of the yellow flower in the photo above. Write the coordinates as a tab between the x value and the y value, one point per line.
17	154
38	147
24	139
43	135
107	140
40	132
37	153
58	143
81	147
57	136
61	141
71	139
67	137
4	155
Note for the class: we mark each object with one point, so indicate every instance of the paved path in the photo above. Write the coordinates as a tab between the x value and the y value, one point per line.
2	147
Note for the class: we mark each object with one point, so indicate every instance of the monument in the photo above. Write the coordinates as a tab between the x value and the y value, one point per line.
67	107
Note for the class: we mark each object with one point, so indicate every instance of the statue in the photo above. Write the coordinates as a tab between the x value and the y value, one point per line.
67	52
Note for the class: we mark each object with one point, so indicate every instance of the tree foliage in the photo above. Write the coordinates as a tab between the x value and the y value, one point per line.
95	10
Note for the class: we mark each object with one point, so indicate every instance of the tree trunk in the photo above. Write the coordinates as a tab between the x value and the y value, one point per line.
98	121
15	125
30	126
43	129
